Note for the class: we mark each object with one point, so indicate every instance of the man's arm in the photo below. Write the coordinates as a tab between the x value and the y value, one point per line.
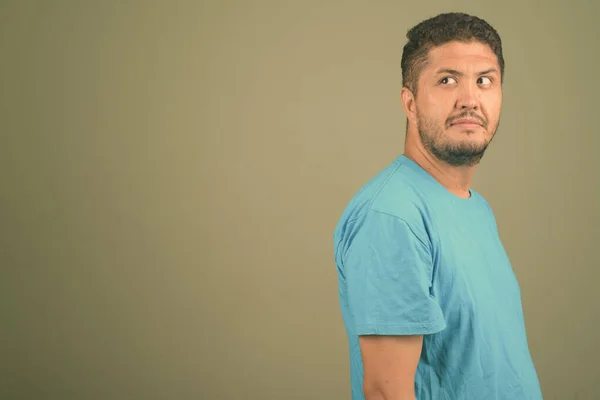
389	275
390	365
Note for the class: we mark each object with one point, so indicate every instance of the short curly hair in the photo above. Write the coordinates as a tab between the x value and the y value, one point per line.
440	30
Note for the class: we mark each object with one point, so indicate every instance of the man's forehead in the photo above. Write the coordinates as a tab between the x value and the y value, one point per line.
465	57
457	51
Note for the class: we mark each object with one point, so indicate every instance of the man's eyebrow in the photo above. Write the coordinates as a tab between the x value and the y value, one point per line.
458	73
449	71
489	71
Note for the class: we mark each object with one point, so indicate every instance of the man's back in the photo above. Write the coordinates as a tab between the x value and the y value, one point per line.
414	259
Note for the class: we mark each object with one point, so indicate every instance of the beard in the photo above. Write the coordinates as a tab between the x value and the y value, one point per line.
464	153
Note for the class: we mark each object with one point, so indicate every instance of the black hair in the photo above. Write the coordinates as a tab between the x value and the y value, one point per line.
440	30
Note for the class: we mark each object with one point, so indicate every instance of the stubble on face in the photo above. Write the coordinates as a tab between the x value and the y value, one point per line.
461	153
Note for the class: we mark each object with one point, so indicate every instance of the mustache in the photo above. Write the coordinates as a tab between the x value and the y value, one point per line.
467	114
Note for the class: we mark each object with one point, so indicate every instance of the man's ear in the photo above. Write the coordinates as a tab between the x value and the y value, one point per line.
409	104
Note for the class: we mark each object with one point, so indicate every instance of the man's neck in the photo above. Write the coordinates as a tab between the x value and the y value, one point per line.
456	179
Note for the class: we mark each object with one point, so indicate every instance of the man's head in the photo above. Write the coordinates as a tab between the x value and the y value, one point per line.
452	72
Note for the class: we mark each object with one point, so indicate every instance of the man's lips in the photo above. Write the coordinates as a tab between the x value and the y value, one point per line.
466	121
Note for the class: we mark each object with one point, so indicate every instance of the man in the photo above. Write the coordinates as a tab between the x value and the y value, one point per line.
429	299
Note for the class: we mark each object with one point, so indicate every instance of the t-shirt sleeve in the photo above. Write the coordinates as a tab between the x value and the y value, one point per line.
388	272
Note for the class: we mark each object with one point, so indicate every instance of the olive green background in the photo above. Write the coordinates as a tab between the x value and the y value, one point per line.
171	173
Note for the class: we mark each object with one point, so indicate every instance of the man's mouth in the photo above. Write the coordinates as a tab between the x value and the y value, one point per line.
466	121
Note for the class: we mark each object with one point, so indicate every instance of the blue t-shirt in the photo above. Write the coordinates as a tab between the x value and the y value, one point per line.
415	259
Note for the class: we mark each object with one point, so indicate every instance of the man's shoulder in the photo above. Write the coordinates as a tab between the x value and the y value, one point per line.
403	195
395	191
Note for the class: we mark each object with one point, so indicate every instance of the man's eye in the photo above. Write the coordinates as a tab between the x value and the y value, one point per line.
448	80
484	80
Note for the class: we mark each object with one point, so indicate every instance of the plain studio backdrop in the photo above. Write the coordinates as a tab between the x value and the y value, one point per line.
171	173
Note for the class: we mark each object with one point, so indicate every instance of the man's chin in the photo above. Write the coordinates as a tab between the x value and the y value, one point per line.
461	156
469	141
461	132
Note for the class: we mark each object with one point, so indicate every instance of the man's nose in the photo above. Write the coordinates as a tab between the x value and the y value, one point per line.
468	98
